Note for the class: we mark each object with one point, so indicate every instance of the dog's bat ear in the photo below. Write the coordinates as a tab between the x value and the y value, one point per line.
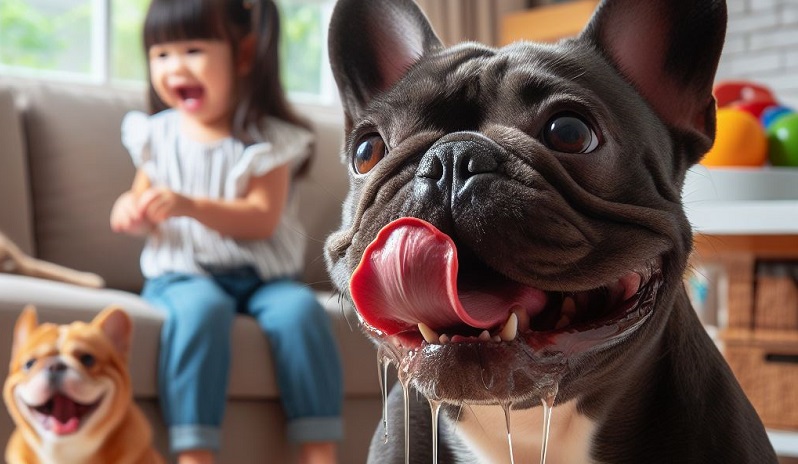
27	322
372	44
669	51
117	326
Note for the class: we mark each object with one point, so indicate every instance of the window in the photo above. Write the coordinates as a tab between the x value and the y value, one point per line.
99	41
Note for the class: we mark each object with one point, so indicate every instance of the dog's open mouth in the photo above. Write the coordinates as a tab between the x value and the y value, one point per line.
408	288
62	415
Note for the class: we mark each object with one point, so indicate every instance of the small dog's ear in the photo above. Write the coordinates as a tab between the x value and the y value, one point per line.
669	51
27	322
372	44
117	326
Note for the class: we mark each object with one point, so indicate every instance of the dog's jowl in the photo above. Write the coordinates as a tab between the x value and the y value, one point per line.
514	235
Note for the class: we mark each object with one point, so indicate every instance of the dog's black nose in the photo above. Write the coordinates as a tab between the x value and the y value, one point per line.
57	367
452	165
56	373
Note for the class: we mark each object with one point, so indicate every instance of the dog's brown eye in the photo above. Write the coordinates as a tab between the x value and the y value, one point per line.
29	364
87	360
370	150
569	133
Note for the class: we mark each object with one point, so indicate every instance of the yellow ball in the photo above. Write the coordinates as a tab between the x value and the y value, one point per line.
739	141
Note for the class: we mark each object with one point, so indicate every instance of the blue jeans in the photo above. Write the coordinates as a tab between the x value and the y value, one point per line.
194	359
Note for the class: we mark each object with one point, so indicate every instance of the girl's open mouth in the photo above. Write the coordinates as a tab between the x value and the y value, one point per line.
190	96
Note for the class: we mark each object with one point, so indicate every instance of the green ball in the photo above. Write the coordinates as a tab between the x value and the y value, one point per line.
783	141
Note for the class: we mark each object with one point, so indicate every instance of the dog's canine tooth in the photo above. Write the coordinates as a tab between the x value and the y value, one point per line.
510	329
429	335
523	318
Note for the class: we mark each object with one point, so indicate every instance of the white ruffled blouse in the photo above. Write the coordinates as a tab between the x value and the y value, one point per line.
220	169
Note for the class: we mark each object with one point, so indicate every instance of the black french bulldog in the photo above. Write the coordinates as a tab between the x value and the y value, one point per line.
514	233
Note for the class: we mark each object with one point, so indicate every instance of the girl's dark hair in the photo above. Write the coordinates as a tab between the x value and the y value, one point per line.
260	92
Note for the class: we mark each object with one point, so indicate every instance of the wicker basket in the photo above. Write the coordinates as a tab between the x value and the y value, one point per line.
766	365
740	275
776	305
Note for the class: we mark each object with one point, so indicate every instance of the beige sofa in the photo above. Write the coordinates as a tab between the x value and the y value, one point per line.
61	168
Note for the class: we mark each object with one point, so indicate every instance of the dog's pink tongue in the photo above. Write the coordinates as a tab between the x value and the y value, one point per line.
408	274
63	428
64	419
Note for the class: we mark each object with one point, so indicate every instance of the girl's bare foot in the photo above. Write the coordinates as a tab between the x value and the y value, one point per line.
195	457
318	453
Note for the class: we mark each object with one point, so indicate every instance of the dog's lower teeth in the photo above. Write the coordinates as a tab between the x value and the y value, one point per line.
507	334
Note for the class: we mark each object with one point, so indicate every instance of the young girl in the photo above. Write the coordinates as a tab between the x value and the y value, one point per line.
215	163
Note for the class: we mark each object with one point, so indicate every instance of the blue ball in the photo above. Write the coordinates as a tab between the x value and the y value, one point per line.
770	115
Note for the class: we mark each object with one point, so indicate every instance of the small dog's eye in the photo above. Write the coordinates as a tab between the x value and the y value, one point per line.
569	133
87	360
29	364
369	151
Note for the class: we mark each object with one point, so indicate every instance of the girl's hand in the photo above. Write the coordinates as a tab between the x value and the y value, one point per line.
126	218
159	204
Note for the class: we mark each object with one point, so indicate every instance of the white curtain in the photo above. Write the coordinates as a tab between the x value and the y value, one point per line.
461	20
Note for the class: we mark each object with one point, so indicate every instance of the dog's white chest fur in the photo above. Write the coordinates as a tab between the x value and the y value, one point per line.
68	451
483	429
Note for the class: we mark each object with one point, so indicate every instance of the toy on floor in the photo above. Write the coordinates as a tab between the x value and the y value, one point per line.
15	261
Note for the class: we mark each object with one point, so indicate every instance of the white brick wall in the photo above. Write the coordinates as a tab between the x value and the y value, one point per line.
762	45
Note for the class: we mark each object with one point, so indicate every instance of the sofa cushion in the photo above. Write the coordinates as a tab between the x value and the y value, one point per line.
322	191
15	207
251	374
78	168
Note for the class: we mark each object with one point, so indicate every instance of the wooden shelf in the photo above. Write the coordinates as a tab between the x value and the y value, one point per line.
548	23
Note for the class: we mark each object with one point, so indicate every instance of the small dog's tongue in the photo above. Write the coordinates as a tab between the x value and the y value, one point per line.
408	274
63	428
65	415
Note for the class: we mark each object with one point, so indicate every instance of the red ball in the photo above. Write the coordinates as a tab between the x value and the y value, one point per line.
755	107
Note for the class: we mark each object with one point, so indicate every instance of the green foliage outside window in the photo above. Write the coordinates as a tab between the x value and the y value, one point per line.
45	39
55	35
27	38
302	45
127	53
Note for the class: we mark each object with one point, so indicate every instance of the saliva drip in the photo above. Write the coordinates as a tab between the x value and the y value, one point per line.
382	372
507	407
547	399
435	407
406	395
547	385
